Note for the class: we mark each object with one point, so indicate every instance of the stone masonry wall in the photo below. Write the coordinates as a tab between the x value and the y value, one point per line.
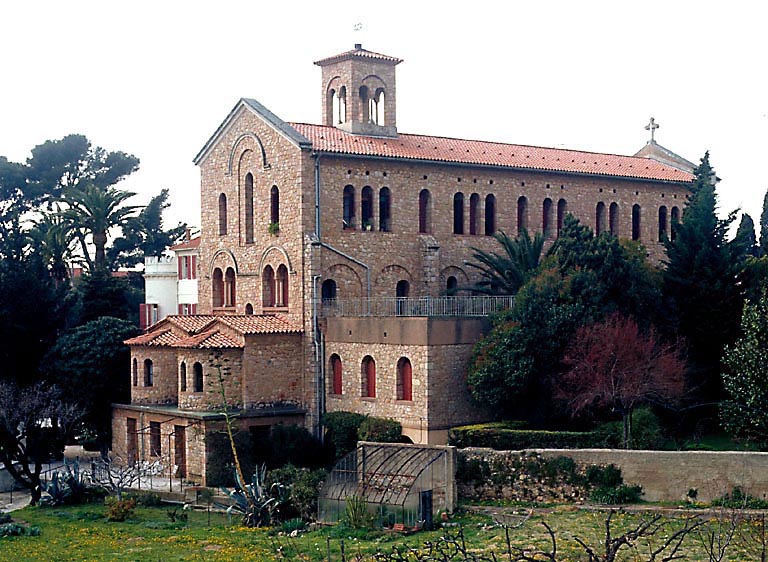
164	389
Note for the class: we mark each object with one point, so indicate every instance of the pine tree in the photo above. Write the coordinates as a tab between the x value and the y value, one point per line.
700	283
764	227
746	243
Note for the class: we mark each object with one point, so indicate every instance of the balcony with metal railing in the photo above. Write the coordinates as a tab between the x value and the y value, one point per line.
469	306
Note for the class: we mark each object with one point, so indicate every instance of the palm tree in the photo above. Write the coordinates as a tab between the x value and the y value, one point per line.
504	273
93	211
55	239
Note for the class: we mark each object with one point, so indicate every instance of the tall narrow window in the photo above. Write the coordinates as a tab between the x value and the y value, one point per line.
343	104
135	372
425	225
222	214
636	222
490	215
335	363
662	223
155	449
197	377
365	110
268	287
404	379
282	286
349	207
377	107
366	207
458	213
183	377
230	291
385	209
217	288
546	218
562	209
600	219
335	119
368	377
249	208
149	373
675	220
613	219
474	213
274	205
522	214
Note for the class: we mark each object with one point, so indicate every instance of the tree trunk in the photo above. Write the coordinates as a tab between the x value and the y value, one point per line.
100	242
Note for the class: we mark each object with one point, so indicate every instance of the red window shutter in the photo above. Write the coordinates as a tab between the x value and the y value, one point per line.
143	316
180	268
194	306
181	309
193	269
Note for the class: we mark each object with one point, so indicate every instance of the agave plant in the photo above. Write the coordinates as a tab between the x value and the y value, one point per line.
256	504
68	486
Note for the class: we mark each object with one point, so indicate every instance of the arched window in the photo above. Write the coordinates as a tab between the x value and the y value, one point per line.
377	107
404	379
365	115
451	285
522	214
490	215
249	208
343	104
600	222
328	290
149	375
368	377
425	222
349	207
217	288
222	214
197	377
662	223
458	213
546	218
562	209
274	205
636	222
135	372
334	97
268	287
474	213
248	309
230	291
613	219
282	286
183	377
335	369
366	203
385	209
402	289
675	220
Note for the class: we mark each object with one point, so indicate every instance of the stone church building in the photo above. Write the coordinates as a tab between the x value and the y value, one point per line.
327	256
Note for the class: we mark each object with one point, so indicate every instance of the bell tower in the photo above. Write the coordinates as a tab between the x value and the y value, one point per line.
359	94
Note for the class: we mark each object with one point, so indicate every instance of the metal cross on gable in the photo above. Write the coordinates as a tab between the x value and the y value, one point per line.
652	126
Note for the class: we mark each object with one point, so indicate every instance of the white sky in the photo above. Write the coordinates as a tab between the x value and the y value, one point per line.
156	78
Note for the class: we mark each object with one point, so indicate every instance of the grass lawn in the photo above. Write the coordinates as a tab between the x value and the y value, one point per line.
82	533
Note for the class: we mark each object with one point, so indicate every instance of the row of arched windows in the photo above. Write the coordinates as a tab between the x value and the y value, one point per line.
458	213
197	377
274	286
367	204
224	288
149	373
274	209
403	384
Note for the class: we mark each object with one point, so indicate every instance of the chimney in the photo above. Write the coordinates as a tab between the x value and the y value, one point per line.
358	46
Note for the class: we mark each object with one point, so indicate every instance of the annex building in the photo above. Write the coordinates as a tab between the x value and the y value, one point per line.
327	254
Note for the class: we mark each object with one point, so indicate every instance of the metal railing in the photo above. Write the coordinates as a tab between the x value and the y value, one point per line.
417	306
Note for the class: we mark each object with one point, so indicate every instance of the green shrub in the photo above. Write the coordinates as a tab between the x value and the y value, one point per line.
18	530
739	499
356	514
119	510
471	470
624	493
647	432
145	499
5	518
291	525
380	430
503	439
303	486
604	476
341	428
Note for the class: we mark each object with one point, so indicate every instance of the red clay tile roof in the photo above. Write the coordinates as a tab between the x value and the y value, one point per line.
358	53
261	324
211	339
471	152
187	245
156	338
191	324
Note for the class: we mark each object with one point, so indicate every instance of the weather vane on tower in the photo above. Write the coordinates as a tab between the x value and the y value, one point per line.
652	126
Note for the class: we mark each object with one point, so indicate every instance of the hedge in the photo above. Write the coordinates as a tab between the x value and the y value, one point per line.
502	439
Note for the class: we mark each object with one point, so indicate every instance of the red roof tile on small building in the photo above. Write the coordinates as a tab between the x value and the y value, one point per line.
359	53
484	153
154	338
191	324
211	339
261	324
187	245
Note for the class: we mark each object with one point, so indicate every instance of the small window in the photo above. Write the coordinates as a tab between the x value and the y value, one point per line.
562	209
474	213
368	377
336	374
366	202
402	289
348	220
662	223
248	309
248	195
636	222
183	377
600	222
197	377
149	375
613	219
328	291
222	214
424	212
135	372
490	215
404	379
385	210
451	286
675	220
458	213
522	214
155	449
546	218
274	205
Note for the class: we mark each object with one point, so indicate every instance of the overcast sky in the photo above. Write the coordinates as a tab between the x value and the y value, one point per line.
156	78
